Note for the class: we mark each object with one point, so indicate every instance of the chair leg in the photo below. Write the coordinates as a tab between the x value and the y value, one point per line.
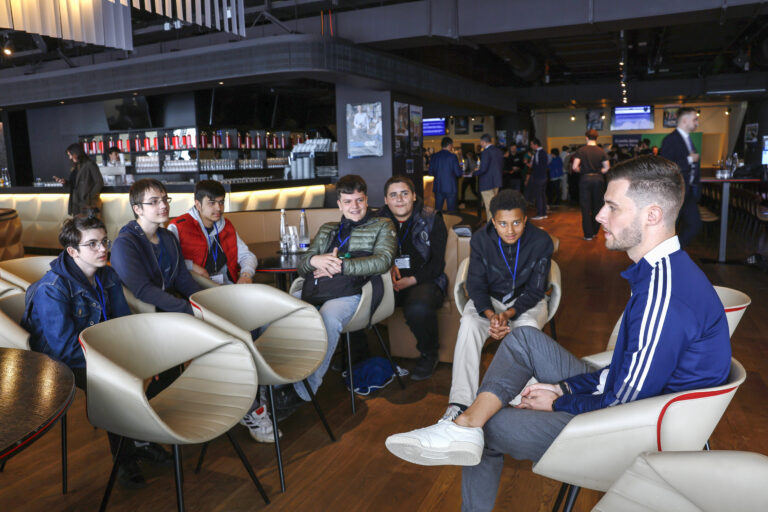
351	377
560	496
573	492
391	362
552	329
277	438
247	466
112	475
64	454
179	478
319	411
706	445
201	457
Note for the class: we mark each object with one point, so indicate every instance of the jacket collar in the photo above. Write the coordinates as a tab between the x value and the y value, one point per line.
665	248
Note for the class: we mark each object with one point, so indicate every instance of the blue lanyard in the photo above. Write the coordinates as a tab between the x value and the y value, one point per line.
517	258
102	298
338	237
215	246
400	240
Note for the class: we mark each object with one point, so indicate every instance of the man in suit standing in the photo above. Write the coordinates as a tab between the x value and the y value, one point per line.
678	147
538	179
490	172
444	166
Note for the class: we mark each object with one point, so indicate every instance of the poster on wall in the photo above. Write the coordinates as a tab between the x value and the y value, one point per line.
461	125
501	137
750	132
416	133
670	117
595	118
364	136
401	127
521	138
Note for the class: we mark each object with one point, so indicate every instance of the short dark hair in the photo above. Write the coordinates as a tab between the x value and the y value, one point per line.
591	134
555	151
447	141
76	150
72	230
508	199
652	179
647	142
210	189
535	140
113	149
485	138
565	148
350	184
141	187
683	111
399	178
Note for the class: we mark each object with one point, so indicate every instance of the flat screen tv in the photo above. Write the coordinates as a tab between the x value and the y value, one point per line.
632	118
127	113
433	126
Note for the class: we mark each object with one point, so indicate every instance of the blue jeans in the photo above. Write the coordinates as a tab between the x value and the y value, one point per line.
451	198
336	314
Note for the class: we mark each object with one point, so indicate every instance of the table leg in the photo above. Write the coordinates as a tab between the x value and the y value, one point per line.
724	221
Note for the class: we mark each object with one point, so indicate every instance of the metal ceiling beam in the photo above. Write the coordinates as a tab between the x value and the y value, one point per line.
253	61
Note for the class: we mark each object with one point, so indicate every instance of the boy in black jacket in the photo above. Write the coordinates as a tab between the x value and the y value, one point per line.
507	281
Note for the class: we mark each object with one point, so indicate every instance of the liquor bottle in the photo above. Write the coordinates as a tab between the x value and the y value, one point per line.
283	244
166	142
303	231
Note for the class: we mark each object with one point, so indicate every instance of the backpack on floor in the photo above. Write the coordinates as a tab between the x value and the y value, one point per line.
372	374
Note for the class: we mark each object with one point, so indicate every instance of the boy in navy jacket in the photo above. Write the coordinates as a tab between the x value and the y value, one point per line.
673	337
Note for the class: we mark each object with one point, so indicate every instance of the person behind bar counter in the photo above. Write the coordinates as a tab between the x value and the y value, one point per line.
85	183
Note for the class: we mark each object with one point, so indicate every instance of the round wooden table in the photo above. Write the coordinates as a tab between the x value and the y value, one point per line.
35	391
283	266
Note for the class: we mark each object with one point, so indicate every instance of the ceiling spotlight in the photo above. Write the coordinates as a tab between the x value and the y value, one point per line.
621	62
623	85
602	116
221	83
728	111
698	112
7	46
573	118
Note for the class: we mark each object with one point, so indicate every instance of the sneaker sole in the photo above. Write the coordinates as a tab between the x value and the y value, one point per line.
458	453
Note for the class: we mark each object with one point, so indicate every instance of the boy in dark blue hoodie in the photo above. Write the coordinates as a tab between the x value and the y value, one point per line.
147	257
81	290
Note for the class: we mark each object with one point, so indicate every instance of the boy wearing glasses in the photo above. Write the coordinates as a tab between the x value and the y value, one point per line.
81	290
147	257
209	243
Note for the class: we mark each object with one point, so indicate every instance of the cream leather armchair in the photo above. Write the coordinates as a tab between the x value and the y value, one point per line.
594	448
554	292
8	288
690	482
215	390
22	272
362	319
288	351
735	304
136	305
12	335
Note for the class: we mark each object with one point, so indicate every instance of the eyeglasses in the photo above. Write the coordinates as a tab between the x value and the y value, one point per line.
156	202
95	244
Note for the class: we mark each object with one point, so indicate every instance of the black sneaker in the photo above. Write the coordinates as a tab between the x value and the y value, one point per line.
424	368
129	474
286	402
153	453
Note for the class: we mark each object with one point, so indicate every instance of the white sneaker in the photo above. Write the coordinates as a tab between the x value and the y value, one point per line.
451	413
260	425
443	444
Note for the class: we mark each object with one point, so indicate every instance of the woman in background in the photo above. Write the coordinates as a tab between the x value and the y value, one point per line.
85	183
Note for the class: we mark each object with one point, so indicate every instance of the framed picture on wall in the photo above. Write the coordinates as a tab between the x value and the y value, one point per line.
595	119
416	133
460	125
364	136
401	127
750	132
670	117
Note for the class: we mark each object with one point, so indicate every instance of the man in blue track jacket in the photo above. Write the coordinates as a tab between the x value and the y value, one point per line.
673	337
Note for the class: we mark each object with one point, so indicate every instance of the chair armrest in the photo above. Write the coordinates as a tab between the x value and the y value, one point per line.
599	360
203	281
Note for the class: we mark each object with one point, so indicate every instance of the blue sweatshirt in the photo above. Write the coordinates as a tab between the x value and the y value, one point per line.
673	337
136	262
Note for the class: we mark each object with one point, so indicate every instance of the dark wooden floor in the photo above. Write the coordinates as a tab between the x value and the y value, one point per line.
356	472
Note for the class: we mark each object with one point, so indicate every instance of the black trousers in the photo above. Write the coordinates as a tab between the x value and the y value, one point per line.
539	196
591	190
420	304
689	218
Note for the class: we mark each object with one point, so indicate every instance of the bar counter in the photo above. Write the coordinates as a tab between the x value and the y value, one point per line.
42	209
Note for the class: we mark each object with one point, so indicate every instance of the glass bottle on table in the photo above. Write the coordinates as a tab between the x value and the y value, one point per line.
303	231
283	244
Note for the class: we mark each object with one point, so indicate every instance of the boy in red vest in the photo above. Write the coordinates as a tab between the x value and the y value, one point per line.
210	247
209	243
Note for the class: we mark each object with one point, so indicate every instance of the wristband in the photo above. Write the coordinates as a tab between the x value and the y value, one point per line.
564	387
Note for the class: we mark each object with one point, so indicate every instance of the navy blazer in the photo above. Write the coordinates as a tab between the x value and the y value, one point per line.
444	166
491	167
673	148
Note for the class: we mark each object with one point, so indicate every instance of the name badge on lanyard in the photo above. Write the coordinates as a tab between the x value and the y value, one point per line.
508	296
403	262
